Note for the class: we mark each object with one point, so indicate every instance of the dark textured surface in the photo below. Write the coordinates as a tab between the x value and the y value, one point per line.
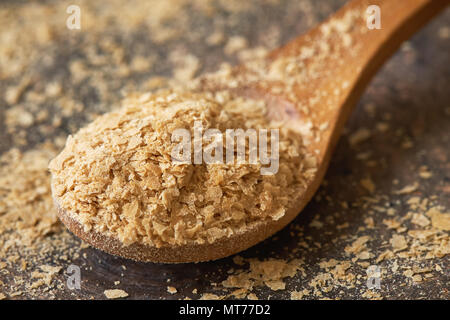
411	93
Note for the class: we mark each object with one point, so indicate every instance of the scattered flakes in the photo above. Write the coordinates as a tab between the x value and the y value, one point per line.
276	284
211	296
53	89
368	184
316	223
270	273
14	93
172	290
358	245
420	220
298	295
359	136
239	260
398	243
369	222
328	264
252	296
50	270
234	44
395	266
417	278
45	277
371	294
387	254
215	38
408	189
391	211
18	116
408	273
186	66
392	223
424	173
115	293
16	294
421	234
444	32
141	64
407	143
439	220
365	255
36	284
239	293
413	202
382	126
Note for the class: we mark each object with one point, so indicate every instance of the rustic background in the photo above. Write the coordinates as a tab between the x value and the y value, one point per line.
61	79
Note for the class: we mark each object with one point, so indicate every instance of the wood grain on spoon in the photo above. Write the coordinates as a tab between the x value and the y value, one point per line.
337	59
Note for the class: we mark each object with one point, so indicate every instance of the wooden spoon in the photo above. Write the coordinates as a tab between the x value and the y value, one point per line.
313	81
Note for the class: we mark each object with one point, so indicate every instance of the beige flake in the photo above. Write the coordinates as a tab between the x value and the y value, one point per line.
115	294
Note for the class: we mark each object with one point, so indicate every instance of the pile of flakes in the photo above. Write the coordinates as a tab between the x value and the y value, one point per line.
117	175
270	273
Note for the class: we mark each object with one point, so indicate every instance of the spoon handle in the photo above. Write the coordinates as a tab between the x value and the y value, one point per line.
356	22
347	49
399	20
328	68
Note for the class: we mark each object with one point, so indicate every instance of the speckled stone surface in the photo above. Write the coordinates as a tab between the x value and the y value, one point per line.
410	97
